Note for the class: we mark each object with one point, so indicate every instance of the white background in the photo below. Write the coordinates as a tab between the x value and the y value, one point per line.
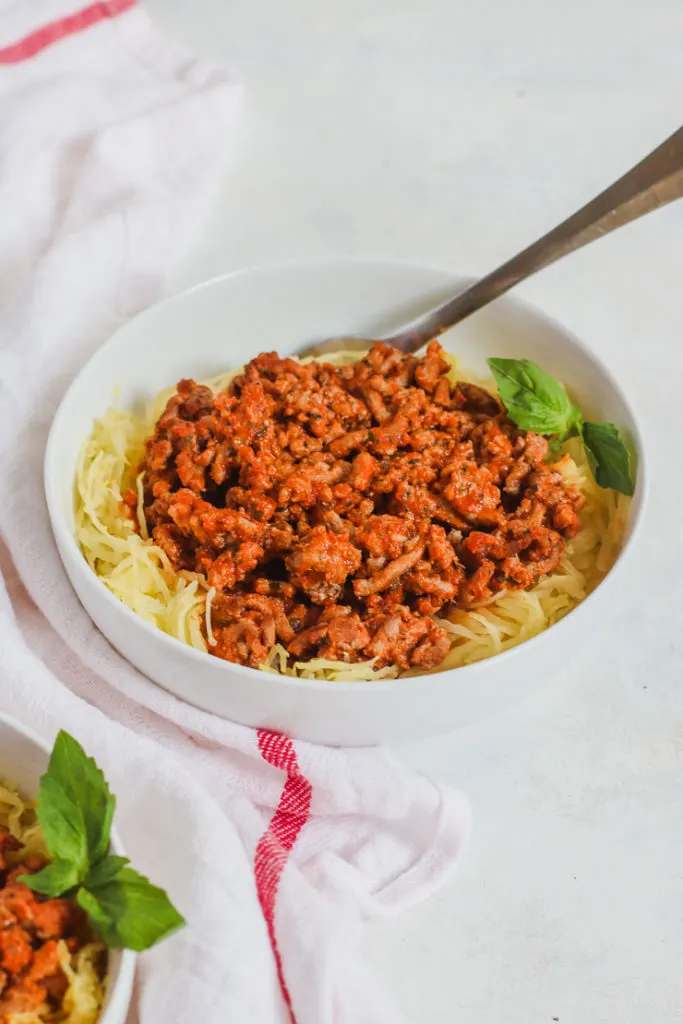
455	133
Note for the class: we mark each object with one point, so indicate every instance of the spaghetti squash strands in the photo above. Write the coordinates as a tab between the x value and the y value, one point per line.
139	573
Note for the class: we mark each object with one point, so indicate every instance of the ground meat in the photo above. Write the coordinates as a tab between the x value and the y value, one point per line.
30	929
336	510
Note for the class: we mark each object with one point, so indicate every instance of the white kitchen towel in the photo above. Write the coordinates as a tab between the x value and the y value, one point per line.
111	144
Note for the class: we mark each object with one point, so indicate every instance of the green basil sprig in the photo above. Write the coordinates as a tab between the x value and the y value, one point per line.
536	401
608	456
75	810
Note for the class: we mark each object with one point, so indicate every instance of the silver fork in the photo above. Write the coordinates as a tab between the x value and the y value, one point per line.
655	181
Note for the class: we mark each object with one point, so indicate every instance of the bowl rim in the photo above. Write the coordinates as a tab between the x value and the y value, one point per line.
111	1013
464	673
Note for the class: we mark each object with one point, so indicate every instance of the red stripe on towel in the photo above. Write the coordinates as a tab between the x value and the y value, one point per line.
275	844
61	28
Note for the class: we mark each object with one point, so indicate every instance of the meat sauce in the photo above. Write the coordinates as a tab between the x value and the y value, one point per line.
31	927
337	509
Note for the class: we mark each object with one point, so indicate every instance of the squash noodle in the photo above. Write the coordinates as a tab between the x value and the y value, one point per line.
83	999
140	574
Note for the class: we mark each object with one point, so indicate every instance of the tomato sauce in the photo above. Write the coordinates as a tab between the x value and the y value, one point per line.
338	509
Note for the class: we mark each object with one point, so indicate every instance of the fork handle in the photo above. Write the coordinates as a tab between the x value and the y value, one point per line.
654	182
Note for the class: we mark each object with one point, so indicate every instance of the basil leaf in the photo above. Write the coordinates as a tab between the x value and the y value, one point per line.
129	911
61	820
55	878
534	400
106	871
75	805
609	457
75	810
592	461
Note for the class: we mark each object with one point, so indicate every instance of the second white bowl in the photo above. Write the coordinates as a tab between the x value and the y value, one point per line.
23	759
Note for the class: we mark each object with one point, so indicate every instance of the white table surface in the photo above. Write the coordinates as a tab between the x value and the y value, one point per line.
454	133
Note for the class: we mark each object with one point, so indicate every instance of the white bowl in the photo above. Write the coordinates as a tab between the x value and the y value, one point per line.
23	759
226	322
